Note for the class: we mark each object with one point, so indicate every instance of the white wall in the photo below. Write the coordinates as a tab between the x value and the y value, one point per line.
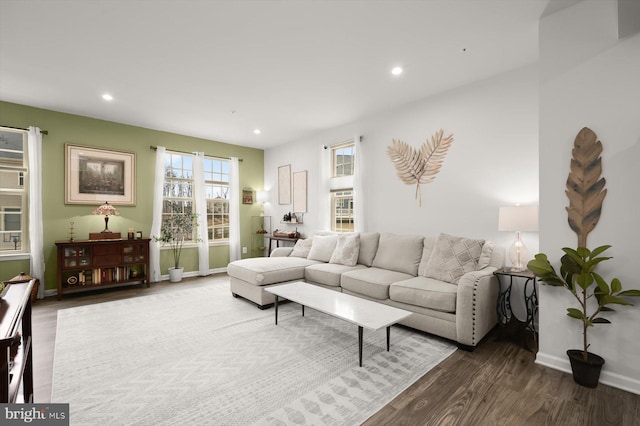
492	162
590	78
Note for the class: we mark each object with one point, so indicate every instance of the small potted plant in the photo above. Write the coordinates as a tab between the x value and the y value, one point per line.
593	295
175	229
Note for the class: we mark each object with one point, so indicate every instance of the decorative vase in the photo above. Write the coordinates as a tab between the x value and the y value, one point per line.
585	373
175	274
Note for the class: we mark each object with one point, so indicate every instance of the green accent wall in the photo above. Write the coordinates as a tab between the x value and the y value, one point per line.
78	130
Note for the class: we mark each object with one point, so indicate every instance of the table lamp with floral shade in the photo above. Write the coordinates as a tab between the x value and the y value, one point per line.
107	210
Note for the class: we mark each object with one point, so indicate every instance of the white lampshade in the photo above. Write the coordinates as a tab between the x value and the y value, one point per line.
262	196
518	218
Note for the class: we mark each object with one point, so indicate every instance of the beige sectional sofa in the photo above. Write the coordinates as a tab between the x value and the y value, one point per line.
447	282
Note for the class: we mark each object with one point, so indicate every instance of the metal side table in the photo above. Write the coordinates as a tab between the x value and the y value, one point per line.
525	328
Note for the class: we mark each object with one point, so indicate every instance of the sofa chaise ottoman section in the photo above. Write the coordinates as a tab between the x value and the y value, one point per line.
269	270
328	274
249	277
425	292
371	282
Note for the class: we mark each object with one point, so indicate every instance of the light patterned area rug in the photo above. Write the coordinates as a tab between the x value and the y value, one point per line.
201	357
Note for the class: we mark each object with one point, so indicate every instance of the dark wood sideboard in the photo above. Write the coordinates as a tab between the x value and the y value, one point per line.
90	264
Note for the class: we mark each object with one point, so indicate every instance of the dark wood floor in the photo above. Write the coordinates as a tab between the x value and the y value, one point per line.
497	384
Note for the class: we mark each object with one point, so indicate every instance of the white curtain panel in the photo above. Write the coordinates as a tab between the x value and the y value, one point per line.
234	210
324	190
36	239
201	211
358	188
156	223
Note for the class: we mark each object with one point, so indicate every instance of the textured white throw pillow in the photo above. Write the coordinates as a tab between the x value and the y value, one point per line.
453	257
347	250
302	248
322	247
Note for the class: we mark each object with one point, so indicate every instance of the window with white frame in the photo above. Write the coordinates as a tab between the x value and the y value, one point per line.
342	211
216	181
13	191
179	195
343	158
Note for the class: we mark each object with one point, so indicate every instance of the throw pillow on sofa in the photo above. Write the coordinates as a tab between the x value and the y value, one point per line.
452	257
302	248
347	250
322	247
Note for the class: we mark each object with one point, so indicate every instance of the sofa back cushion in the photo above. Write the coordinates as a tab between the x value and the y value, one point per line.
322	247
368	247
347	250
452	257
429	244
400	253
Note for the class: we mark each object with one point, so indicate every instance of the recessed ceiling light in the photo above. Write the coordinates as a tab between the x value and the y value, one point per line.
107	97
396	70
257	131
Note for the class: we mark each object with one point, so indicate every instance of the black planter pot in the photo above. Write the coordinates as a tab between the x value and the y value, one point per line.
585	373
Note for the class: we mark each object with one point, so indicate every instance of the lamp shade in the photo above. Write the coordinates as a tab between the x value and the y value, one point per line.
518	218
106	209
262	196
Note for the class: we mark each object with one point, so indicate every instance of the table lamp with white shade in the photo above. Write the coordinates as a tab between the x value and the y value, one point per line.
518	219
262	197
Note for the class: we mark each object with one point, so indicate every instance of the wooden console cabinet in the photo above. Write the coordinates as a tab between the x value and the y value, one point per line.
89	264
16	360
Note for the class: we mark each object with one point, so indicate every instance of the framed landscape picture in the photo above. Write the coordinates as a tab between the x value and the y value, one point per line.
284	184
95	175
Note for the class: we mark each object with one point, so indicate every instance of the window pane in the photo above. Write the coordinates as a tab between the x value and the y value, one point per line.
12	221
11	179
12	147
343	158
342	211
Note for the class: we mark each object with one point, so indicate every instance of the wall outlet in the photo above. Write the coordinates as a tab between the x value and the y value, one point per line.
244	250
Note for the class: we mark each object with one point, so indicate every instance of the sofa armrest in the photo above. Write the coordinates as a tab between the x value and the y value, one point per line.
281	252
476	304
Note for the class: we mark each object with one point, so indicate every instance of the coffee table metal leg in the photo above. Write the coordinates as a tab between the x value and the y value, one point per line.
388	337
360	345
302	310
276	309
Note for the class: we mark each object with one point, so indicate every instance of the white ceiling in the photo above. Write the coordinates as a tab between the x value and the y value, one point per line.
290	68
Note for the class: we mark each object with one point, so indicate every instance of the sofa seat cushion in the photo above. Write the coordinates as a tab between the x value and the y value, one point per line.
269	270
327	273
426	293
372	282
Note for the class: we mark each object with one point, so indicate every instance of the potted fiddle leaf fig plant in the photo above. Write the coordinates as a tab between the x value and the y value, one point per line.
593	295
175	230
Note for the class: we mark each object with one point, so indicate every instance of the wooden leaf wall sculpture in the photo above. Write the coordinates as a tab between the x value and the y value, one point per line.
416	167
585	187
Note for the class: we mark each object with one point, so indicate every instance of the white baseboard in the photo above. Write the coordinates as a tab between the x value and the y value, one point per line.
196	273
607	378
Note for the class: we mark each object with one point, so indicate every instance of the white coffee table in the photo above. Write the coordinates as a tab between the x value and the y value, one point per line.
364	313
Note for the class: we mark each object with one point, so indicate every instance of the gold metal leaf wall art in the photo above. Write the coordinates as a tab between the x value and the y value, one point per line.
585	187
416	167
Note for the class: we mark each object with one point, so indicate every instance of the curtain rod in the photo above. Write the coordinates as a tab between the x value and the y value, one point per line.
155	148
44	132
